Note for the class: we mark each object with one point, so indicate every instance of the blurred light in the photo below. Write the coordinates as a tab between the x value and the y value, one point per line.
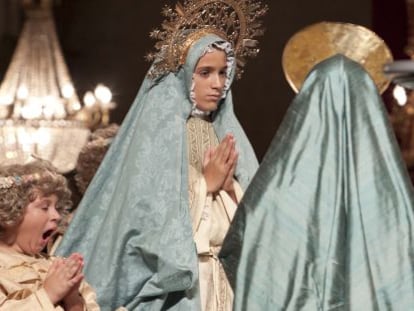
89	99
22	92
400	95
68	90
103	94
32	109
6	100
76	106
49	107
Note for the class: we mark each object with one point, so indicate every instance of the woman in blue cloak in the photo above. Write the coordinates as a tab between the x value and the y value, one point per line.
153	219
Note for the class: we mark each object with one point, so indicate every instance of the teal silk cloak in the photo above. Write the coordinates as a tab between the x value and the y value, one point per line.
327	222
133	225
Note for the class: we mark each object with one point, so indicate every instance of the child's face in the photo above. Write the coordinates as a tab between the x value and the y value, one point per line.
209	80
40	221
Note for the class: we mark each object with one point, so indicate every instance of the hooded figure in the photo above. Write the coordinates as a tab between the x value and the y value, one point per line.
133	225
327	222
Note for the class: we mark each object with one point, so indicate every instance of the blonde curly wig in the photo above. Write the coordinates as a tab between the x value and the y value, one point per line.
15	199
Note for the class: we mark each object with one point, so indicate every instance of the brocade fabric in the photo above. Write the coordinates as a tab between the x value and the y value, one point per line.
133	224
211	216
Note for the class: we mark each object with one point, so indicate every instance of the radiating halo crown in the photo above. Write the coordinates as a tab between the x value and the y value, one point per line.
236	21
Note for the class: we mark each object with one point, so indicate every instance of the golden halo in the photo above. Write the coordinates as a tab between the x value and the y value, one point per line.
320	41
237	21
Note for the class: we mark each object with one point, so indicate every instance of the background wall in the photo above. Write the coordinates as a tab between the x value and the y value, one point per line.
104	41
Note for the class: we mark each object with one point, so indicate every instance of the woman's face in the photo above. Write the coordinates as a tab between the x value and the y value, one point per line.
209	79
40	221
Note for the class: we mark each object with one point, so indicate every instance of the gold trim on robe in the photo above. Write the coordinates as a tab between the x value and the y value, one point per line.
211	216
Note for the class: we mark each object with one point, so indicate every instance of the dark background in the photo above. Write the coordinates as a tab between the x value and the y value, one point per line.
105	41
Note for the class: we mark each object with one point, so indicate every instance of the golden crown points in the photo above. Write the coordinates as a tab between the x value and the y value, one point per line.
236	21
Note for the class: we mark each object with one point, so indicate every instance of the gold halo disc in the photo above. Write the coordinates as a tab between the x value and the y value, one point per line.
320	41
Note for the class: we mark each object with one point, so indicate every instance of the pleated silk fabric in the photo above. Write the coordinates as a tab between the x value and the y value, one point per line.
327	222
133	224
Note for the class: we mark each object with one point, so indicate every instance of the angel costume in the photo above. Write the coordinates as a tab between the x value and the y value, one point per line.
21	284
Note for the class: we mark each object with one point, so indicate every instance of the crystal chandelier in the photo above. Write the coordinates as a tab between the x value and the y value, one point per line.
40	112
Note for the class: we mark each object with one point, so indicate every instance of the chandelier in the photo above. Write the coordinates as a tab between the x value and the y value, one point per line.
40	112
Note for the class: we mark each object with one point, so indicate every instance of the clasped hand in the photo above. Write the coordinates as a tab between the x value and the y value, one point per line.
63	280
220	164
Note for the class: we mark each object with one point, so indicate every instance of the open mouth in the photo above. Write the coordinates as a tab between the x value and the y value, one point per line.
48	234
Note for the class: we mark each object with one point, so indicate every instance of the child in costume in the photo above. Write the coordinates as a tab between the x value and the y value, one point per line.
32	199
